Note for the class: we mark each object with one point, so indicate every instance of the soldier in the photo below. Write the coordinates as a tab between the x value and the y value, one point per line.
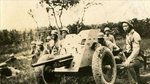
48	38
54	43
38	51
133	41
33	47
108	36
102	41
47	45
53	51
65	31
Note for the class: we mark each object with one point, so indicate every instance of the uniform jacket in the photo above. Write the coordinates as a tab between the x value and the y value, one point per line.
110	38
133	41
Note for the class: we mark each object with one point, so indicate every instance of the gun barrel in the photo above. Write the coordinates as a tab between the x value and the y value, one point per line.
57	59
3	64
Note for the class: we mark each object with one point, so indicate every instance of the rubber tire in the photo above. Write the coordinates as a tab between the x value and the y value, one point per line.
52	78
97	59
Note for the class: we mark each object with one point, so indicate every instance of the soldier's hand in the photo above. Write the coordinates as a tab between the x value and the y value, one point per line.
126	64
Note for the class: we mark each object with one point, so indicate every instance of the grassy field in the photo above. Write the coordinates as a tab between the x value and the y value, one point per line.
26	75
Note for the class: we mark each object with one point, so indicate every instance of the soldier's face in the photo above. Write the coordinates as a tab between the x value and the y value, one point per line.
53	36
106	32
64	33
48	40
100	40
125	27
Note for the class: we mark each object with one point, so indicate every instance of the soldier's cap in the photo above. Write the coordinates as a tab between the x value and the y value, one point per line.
129	23
48	37
39	43
100	35
106	29
65	29
54	32
33	42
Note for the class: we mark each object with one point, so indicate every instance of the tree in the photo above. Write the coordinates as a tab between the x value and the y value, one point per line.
55	9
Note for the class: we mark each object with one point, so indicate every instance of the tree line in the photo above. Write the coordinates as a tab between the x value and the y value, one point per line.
24	38
141	26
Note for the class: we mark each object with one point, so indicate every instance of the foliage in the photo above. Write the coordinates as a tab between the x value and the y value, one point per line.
13	41
141	26
55	9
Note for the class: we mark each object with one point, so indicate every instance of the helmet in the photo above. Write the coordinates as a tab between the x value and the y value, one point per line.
106	29
100	35
48	37
65	29
129	23
54	32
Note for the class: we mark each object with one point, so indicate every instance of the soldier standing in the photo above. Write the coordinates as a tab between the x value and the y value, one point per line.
33	47
133	41
65	31
54	43
108	36
47	45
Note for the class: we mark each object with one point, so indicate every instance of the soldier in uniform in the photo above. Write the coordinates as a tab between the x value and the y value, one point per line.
133	40
65	31
38	51
53	44
47	45
102	41
108	36
33	47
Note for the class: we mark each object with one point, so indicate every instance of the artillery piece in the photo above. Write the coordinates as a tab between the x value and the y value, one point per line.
77	53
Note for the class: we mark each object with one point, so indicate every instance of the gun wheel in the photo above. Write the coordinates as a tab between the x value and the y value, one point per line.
50	77
104	66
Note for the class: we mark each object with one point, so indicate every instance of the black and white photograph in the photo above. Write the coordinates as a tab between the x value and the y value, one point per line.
74	41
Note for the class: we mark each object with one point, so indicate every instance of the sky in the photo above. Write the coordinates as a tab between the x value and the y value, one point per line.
13	13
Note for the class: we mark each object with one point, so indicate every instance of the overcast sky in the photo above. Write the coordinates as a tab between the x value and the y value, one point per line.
13	13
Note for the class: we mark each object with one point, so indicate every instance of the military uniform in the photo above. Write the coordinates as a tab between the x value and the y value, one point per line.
134	60
53	47
110	37
109	44
112	46
133	40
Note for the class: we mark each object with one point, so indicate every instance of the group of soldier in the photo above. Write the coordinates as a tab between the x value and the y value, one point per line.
40	51
132	47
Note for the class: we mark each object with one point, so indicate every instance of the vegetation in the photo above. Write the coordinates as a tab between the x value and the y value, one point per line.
14	41
26	75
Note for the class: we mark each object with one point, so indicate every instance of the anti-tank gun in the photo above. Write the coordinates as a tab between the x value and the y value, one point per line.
77	53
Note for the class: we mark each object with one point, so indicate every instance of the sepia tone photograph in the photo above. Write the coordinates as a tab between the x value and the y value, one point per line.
74	42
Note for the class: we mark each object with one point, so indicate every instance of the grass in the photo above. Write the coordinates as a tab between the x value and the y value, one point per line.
26	75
